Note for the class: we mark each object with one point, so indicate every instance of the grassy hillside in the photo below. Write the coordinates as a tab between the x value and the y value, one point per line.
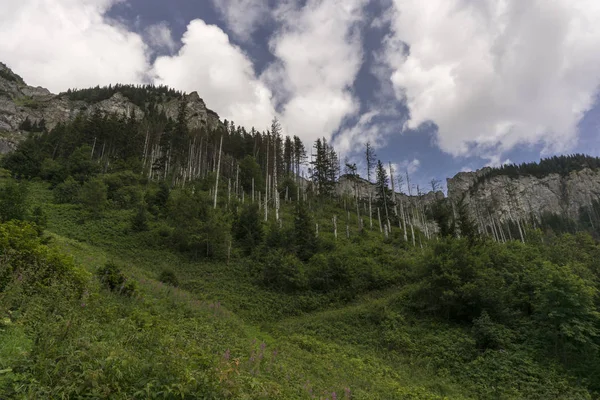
365	318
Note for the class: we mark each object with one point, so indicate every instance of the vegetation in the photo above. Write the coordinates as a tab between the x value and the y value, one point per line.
142	259
10	76
562	165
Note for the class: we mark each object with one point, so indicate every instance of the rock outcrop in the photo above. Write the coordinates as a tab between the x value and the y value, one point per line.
508	199
19	102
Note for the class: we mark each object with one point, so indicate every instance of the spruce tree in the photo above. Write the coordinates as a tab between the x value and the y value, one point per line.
370	158
305	240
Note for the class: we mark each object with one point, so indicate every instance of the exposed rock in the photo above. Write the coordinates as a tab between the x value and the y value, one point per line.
348	186
19	102
197	114
506	198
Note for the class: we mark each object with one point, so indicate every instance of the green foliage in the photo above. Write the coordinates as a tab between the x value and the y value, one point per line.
139	222
250	171
93	197
113	279
304	233
324	168
562	165
248	228
39	218
198	228
29	267
10	76
67	192
283	272
13	201
143	96
80	164
168	277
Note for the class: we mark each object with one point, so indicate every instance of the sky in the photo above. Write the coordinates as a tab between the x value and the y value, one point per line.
437	86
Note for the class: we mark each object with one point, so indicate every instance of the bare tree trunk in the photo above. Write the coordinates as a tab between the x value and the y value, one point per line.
379	217
237	181
403	221
520	231
267	186
218	172
348	225
370	212
228	191
335	226
275	188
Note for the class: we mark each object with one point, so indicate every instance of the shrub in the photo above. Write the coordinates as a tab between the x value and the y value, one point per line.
168	277
283	272
114	280
67	192
93	197
13	201
139	222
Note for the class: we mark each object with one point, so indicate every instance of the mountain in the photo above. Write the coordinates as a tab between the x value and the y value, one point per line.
142	258
23	106
567	187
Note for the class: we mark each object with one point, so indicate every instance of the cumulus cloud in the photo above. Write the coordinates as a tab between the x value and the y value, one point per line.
221	73
243	17
62	44
160	38
318	48
410	166
496	74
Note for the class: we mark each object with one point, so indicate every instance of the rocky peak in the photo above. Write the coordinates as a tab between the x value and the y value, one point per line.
7	74
19	102
198	115
504	198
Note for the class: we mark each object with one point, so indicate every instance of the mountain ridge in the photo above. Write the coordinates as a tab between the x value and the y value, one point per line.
20	102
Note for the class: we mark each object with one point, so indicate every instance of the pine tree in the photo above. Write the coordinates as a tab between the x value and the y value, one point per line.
370	158
324	168
305	240
248	228
384	194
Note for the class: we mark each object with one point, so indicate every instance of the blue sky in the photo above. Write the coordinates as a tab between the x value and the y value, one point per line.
439	86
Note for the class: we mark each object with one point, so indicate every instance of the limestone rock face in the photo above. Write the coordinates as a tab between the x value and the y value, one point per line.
197	114
19	102
507	198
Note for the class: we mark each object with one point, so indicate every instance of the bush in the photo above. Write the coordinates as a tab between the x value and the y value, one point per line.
139	222
114	280
283	272
168	277
13	201
67	192
93	197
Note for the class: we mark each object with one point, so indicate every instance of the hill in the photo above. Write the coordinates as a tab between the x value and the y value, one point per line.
143	256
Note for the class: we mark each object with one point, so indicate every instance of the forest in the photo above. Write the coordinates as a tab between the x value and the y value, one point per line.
142	259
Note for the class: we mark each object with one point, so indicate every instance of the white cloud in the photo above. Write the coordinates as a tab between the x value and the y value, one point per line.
160	38
221	73
243	17
353	139
319	53
62	44
410	166
495	74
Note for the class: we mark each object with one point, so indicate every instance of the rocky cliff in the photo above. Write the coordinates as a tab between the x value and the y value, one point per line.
518	198
19	102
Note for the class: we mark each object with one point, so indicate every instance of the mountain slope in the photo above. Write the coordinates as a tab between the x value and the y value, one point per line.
20	103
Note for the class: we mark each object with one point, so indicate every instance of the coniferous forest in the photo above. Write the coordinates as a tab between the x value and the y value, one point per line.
144	259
